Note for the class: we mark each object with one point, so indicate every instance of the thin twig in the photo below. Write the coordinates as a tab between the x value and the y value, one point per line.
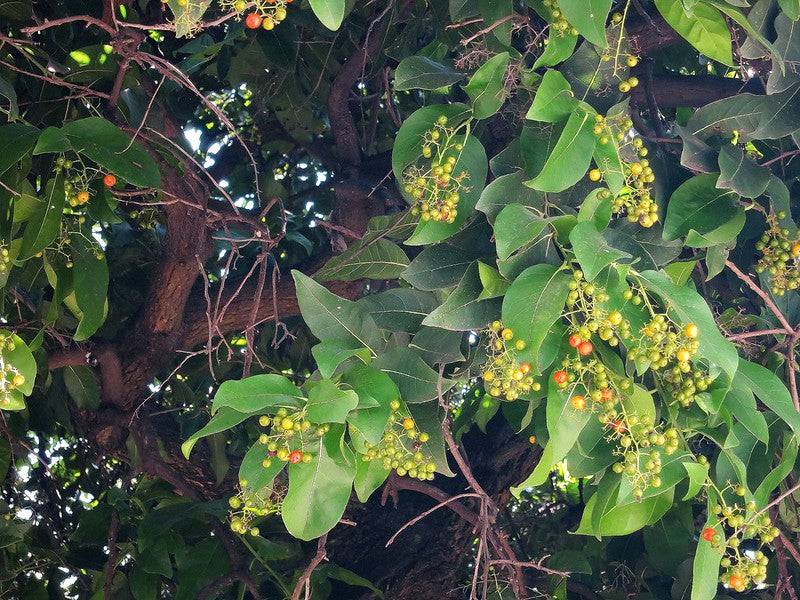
304	582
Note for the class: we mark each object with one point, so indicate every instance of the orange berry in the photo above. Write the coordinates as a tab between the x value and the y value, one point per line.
253	21
575	340
560	376
606	394
295	456
708	534
109	180
578	402
408	423
585	348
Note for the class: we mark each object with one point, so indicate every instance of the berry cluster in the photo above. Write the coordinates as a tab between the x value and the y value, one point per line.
640	442
267	13
285	437
247	506
742	526
682	383
401	447
587	314
558	22
591	378
432	182
635	197
663	342
77	178
779	256
10	377
503	374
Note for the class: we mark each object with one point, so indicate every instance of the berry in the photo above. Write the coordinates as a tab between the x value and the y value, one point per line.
595	175
575	340
708	534
585	348
408	423
691	331
560	377
578	402
253	21
295	456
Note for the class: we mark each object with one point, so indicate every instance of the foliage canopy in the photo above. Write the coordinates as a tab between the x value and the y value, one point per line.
431	283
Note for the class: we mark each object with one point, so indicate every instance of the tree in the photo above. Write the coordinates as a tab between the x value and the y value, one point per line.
337	299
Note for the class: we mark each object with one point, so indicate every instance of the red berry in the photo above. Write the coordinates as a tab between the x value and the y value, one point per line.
295	456
575	340
253	21
109	180
617	426
585	348
709	533
606	394
560	376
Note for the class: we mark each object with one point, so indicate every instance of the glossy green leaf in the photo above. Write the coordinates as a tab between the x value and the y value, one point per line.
570	158
424	73
257	393
703	27
465	308
319	490
770	390
592	250
45	222
329	404
588	17
486	88
368	258
415	379
554	100
329	12
699	205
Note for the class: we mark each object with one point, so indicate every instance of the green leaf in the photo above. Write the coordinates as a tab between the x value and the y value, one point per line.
423	73
742	405
82	386
90	282
570	158
588	17
697	477
592	250
465	308
705	569
17	140
740	173
45	222
515	227
770	390
415	379
439	266
376	388
703	27
645	244
331	318
564	425
257	394
755	117
699	205
370	475
329	355
319	490
438	346
690	307
104	143
329	12
534	301
224	419
777	475
791	8
401	309
722	235
328	404
486	88
559	48
554	100
253	471
368	258
506	190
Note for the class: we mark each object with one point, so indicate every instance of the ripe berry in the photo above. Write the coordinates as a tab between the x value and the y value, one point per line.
585	348
578	402
560	376
109	180
253	21
295	456
83	197
691	331
575	340
408	423
736	582
708	534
